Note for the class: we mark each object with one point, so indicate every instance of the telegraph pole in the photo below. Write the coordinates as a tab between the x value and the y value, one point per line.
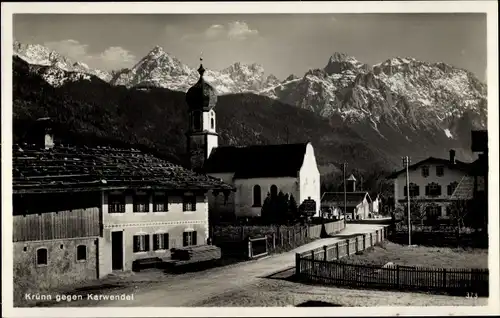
406	163
344	165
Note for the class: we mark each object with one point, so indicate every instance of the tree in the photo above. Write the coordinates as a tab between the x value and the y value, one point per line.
280	209
458	211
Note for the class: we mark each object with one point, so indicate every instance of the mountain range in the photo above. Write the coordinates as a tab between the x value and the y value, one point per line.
401	106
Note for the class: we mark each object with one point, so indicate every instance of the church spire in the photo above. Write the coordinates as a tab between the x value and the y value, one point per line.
201	69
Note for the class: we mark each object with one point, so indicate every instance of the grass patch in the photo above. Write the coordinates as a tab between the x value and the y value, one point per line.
422	256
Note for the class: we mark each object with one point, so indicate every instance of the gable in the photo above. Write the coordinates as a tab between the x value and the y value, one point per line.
262	161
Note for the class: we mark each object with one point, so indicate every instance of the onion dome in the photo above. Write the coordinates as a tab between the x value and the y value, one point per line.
201	96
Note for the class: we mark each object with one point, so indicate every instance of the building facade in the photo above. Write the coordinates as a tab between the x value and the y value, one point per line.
254	171
433	182
82	212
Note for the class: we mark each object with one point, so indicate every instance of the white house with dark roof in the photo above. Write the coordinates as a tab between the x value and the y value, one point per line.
254	171
434	182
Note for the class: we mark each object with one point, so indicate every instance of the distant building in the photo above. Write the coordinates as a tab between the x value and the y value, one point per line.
81	213
356	204
254	171
433	182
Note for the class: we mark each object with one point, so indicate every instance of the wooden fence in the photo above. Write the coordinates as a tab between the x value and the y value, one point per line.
455	281
321	265
241	239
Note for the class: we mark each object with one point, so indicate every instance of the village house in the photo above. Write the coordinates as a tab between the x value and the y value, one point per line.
357	204
81	213
254	171
433	182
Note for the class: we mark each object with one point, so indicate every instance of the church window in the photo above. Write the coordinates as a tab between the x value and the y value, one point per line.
274	190
197	120
257	200
212	123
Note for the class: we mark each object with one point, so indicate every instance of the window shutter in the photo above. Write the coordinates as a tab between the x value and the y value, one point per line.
426	190
193	203
155	242
194	236
439	190
417	190
165	241
165	202
184	205
136	243
185	239
146	243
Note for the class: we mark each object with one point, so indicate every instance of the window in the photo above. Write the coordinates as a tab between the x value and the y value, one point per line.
439	171
197	120
433	189
141	243
448	210
141	203
189	203
42	256
189	238
274	190
257	200
452	187
414	190
116	203
160	241
212	123
433	212
81	252
160	202
425	171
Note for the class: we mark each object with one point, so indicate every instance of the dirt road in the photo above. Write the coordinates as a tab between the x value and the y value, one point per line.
193	289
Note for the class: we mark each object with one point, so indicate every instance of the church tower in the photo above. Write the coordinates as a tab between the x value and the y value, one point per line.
201	135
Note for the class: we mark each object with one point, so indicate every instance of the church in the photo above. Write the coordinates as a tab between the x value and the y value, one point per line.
255	171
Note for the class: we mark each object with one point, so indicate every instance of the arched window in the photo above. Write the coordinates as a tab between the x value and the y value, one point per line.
257	200
197	121
212	122
274	190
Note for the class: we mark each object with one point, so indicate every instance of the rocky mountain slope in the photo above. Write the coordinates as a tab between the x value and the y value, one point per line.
54	63
401	106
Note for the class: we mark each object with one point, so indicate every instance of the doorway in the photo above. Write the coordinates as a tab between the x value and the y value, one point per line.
117	250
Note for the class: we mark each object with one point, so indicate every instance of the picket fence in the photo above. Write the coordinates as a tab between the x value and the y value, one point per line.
321	265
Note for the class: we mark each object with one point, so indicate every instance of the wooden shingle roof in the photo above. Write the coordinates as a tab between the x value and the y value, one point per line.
458	165
67	168
262	161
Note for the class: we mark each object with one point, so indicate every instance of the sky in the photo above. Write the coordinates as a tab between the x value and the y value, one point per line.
283	44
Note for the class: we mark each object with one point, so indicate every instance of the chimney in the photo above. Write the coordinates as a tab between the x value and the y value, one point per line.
43	133
452	157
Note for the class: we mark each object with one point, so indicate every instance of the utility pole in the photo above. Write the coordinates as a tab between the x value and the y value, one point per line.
344	165
406	163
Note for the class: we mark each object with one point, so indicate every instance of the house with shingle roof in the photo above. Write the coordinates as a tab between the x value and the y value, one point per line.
82	212
254	171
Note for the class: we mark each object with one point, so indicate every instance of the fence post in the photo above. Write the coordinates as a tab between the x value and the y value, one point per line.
357	248
274	240
250	248
376	237
338	251
397	276
444	277
364	242
297	264
347	246
242	232
371	239
325	251
289	237
312	255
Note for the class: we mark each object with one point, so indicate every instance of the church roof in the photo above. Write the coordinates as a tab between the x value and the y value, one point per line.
201	96
261	161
